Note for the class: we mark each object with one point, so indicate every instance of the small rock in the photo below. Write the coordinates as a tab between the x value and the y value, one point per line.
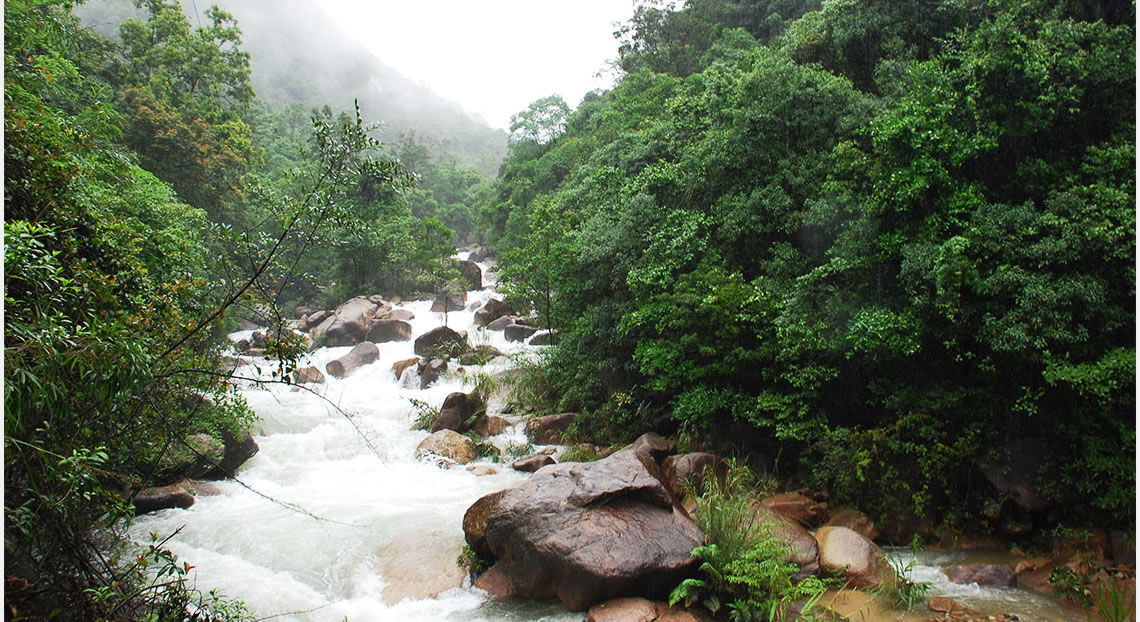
518	332
400	366
944	604
490	425
531	463
986	575
482	469
548	430
306	375
448	444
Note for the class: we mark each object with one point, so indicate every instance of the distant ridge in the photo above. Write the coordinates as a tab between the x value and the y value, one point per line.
299	54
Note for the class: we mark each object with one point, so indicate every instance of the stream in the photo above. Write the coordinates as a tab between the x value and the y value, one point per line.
334	517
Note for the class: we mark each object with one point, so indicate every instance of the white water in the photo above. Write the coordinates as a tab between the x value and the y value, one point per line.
346	520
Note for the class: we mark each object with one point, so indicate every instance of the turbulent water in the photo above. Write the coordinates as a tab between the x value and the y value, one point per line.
335	518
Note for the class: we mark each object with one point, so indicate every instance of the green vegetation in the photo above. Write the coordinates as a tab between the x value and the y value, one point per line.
149	201
873	234
744	566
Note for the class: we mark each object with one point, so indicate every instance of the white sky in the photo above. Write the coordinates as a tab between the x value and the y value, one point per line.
493	57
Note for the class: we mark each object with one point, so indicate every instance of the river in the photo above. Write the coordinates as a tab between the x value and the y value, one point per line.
334	518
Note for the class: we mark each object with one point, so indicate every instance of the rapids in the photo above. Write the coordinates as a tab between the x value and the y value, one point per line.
334	517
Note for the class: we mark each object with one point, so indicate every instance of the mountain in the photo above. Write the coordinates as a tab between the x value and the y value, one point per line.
299	54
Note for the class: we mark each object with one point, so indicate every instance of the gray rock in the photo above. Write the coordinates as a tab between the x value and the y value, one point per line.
361	354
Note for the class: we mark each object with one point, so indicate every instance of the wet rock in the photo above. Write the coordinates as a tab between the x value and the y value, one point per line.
308	375
500	323
518	332
360	355
490	425
543	338
237	451
416	567
588	532
481	469
796	507
403	315
492	310
856	521
944	604
457	410
623	610
440	341
449	445
384	331
475	523
347	325
315	319
496	582
803	550
986	575
857	557
479	355
430	371
688	471
400	366
472	274
548	430
531	463
178	495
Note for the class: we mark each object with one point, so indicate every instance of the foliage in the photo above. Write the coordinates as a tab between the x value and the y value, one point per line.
744	565
902	593
471	562
425	414
877	233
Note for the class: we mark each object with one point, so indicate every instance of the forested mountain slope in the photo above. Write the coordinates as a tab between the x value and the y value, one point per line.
300	56
887	241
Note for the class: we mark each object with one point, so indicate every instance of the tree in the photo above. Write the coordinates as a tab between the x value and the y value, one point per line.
531	271
541	123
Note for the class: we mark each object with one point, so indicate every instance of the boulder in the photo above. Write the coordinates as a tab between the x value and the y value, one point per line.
856	521
492	310
178	495
360	355
403	315
843	550
457	410
589	532
475	523
518	332
471	273
306	375
985	575
796	507
430	371
383	331
348	324
448	444
440	341
500	323
490	425
400	366
542	338
623	610
803	550
548	430
315	319
688	470
532	463
238	450
479	355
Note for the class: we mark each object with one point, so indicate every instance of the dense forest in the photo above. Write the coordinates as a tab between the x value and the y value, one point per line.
885	241
890	245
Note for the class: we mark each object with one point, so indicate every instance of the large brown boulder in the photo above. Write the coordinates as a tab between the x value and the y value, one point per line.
986	575
518	332
449	445
440	341
548	430
688	471
348	324
457	410
177	495
383	331
492	310
857	557
588	532
475	523
796	507
802	548
854	520
471	273
360	355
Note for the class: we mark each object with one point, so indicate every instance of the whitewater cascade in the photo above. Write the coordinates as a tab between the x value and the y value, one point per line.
334	517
